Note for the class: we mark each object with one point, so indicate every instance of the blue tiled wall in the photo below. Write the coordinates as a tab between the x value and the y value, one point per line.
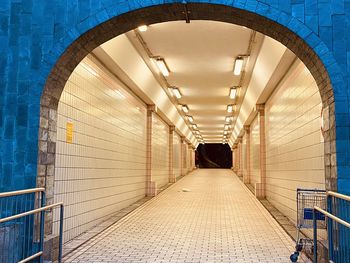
34	33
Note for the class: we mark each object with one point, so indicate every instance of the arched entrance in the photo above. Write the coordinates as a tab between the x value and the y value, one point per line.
105	25
114	26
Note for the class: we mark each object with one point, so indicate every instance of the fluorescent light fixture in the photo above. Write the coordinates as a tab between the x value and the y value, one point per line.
190	118
227	127
194	126
176	92
230	108
228	119
225	132
185	108
197	132
238	66
143	28
233	93
163	67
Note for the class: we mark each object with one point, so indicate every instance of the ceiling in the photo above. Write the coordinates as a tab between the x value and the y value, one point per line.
200	56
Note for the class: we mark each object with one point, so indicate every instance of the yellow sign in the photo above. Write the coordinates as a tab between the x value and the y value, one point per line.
69	132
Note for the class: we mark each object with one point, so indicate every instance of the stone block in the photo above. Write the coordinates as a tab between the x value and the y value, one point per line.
51	244
343	186
10	243
325	14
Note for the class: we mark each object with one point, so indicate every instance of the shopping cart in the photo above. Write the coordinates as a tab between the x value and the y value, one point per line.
306	200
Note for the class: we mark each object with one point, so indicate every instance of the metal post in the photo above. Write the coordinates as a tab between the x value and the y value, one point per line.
315	234
330	228
61	234
42	226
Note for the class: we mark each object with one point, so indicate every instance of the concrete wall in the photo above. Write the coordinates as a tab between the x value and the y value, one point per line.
255	151
103	169
160	152
294	143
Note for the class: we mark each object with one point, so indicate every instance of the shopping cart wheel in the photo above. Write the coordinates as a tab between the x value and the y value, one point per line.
294	257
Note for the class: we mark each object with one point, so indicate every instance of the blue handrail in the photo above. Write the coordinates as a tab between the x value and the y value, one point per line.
338	206
20	210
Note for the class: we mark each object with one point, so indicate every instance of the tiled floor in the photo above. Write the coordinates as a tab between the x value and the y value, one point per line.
217	220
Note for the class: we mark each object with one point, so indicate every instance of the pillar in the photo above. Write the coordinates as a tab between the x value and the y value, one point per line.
260	188
172	177
233	149
193	157
189	157
183	154
239	157
151	189
246	177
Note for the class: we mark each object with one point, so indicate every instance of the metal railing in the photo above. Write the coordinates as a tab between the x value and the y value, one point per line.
22	229
338	227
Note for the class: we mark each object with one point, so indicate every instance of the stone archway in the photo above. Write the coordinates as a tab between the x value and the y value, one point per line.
276	24
115	26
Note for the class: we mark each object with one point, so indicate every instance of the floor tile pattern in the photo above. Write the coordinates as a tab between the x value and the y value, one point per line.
208	216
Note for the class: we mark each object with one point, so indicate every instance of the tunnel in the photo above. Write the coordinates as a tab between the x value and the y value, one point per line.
117	112
178	132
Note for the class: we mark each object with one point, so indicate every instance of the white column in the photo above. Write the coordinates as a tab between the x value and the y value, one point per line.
150	185
234	157
240	157
183	156
172	177
246	178
260	188
189	158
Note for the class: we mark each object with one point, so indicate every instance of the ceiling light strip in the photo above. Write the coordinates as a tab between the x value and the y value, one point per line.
185	108
163	67
229	108
143	28
238	66
233	93
176	92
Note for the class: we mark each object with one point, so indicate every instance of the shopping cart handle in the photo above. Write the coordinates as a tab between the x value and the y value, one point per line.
308	215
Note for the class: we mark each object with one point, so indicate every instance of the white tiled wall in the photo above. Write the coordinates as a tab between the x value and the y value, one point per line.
160	151
254	151
294	147
177	155
103	169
